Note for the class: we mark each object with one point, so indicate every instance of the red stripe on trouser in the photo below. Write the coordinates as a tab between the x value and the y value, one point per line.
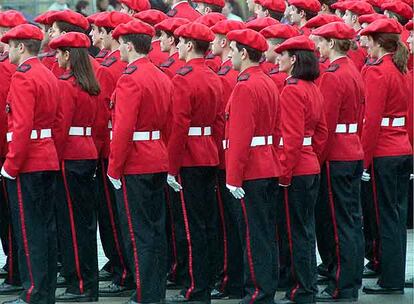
289	233
73	229
112	221
335	228
133	242
249	253
377	217
9	235
25	240
225	243
173	239
190	249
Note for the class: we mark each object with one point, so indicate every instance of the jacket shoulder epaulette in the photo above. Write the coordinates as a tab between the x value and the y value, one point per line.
332	67
102	54
66	76
274	70
184	70
3	57
167	63
24	68
243	77
292	80
109	61
322	59
224	70
210	56
375	62
131	69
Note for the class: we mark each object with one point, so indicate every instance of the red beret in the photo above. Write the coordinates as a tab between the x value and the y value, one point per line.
137	5
260	23
284	31
409	2
23	31
219	3
69	16
43	18
309	5
296	43
376	3
151	16
11	18
112	19
133	27
336	30
382	26
195	30
398	7
171	24
72	40
273	5
358	7
225	26
210	19
369	18
323	19
250	38
409	25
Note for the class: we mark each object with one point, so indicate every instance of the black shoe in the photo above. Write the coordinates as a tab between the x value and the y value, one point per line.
323	270
325	296
3	273
15	301
71	297
179	298
61	281
285	300
115	290
105	275
376	289
6	289
173	285
322	280
409	283
369	273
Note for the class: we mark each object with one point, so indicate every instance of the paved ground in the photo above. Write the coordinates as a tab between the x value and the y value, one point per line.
407	298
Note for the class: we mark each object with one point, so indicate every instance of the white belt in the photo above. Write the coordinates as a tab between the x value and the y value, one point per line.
36	134
199	131
307	141
393	122
143	135
80	131
346	128
256	141
110	124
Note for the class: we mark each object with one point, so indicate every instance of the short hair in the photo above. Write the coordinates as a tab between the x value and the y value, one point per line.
141	42
306	66
214	8
401	19
170	34
107	29
31	45
341	45
200	46
68	27
254	55
276	15
308	14
275	41
329	3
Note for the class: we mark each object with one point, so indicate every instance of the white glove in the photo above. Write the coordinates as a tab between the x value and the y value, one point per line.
365	176
237	192
172	182
5	174
115	182
411	176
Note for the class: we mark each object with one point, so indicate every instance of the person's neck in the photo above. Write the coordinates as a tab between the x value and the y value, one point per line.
225	55
357	26
247	64
135	57
114	46
24	57
173	50
302	22
382	53
191	56
335	55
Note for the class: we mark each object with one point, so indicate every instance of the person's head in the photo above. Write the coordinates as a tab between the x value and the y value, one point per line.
106	23
82	7
334	39
270	8
169	42
303	10
354	9
298	58
209	6
152	17
246	48
409	26
384	37
326	6
132	7
9	19
67	21
221	45
276	35
102	5
398	10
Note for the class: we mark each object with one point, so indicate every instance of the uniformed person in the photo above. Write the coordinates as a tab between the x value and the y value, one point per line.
47	55
301	11
31	164
97	38
270	8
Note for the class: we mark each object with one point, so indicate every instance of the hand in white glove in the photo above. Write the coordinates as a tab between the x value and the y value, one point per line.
115	182
237	192
5	174
172	182
365	176
411	176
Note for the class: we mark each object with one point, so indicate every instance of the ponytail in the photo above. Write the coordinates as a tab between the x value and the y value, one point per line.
400	57
392	43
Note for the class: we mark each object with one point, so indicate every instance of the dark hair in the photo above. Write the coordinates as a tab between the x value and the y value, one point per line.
392	43
254	55
401	19
107	29
214	8
277	40
170	34
68	27
31	45
200	46
377	9
83	72
82	4
341	45
306	66
329	3
273	14
141	42
308	14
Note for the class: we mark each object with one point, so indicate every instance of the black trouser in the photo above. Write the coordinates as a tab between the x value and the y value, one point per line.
257	229
391	177
230	279
340	195
109	229
77	226
299	200
31	197
8	239
283	244
200	221
142	215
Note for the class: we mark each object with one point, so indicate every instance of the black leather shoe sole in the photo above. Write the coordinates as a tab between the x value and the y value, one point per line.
382	291
77	299
123	293
327	299
14	290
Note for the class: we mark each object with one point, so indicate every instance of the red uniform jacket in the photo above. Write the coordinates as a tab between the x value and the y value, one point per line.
214	62
156	55
358	56
196	103
101	56
172	65
142	99
301	107
76	109
386	95
251	112
183	10
48	57
343	94
267	66
410	123
278	77
31	105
